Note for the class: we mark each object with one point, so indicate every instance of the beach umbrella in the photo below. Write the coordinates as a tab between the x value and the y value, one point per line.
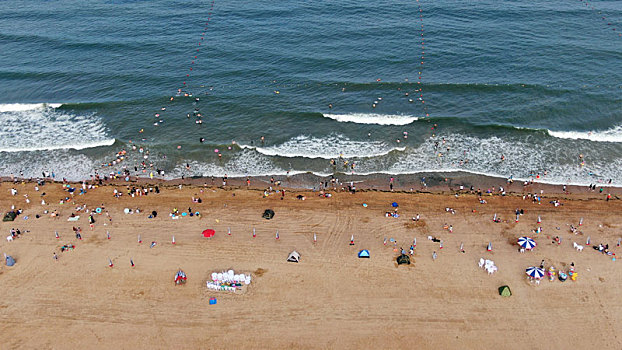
535	272
394	205
526	242
209	233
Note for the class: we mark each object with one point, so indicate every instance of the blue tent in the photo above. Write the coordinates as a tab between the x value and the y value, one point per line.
10	261
364	253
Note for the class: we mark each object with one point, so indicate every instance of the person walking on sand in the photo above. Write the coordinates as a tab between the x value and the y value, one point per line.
434	256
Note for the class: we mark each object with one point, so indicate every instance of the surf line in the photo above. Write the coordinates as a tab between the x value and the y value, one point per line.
602	17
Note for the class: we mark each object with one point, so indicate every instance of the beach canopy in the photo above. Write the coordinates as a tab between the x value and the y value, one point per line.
10	261
268	214
364	253
535	272
505	291
403	259
527	243
394	205
293	257
180	277
209	233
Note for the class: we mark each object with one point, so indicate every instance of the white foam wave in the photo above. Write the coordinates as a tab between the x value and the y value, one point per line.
523	159
27	128
332	146
245	163
108	142
20	107
64	164
610	135
371	118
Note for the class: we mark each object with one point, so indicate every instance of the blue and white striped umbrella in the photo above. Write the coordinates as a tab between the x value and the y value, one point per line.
535	272
527	243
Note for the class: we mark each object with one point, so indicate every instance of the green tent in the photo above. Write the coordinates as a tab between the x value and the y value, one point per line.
268	214
505	291
403	259
10	216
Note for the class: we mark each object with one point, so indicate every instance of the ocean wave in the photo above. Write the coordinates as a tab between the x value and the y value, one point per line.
371	118
37	127
246	163
19	107
522	159
329	147
610	135
613	134
65	164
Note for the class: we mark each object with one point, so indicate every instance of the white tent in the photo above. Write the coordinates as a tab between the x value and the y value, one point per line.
293	257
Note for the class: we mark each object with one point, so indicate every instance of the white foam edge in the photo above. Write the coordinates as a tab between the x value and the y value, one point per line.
20	107
108	142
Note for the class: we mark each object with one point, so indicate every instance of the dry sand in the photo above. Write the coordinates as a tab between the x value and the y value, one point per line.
331	299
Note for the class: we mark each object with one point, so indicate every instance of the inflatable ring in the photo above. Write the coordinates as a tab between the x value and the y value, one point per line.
184	214
98	210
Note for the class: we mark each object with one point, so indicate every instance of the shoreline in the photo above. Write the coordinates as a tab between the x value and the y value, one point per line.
435	182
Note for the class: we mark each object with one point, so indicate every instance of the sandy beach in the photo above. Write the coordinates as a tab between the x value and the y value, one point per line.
331	299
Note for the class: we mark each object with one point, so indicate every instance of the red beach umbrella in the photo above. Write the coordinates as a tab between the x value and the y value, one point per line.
209	233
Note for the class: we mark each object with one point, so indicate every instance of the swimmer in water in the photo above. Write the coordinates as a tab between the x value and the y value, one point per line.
201	140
